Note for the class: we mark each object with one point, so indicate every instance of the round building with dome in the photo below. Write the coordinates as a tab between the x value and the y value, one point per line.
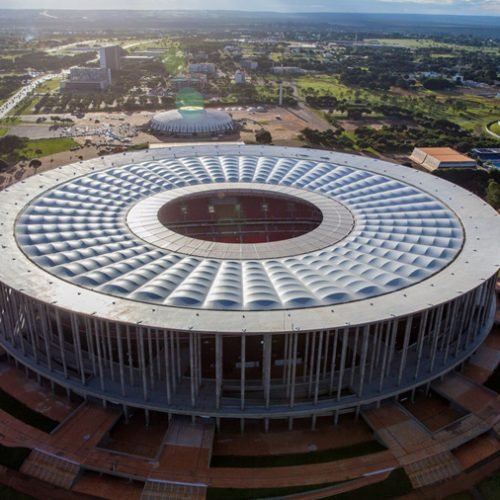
192	121
243	281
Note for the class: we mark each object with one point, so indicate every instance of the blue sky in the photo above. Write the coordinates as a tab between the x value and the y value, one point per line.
455	7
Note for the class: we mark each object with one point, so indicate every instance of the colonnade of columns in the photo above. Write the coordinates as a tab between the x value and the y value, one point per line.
260	375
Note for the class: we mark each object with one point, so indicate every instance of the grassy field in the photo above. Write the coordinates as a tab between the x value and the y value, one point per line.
424	43
243	494
316	457
470	112
25	107
490	488
397	484
36	148
22	412
328	84
13	457
495	128
48	86
7	493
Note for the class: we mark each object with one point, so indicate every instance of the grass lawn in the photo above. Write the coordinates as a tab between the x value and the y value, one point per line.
243	494
490	488
13	457
464	495
7	493
25	107
418	43
493	381
37	148
10	120
495	128
470	112
48	86
396	485
22	412
328	84
315	457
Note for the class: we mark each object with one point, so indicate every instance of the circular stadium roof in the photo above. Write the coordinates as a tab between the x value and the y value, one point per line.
89	239
190	120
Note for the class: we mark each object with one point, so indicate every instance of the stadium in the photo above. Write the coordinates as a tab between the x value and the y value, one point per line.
244	282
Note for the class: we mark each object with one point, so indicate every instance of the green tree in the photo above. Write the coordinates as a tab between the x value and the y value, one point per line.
493	194
263	136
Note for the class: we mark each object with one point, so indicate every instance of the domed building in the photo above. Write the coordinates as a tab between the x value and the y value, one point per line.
192	121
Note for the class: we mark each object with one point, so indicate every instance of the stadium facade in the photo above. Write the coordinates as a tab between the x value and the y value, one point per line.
244	282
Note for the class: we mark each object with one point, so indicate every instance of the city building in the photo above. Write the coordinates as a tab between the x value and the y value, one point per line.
204	67
485	154
246	282
197	82
87	79
239	77
248	64
441	158
288	70
189	121
109	57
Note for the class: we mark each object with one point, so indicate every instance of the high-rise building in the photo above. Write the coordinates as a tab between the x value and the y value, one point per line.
110	56
87	79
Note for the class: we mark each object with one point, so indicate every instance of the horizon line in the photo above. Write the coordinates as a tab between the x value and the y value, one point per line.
167	9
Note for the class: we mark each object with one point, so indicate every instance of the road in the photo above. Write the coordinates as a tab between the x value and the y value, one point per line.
24	92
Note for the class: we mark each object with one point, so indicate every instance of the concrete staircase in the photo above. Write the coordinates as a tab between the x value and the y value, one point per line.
156	490
51	468
433	469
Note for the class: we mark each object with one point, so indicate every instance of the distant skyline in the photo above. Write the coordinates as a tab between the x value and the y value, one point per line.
449	7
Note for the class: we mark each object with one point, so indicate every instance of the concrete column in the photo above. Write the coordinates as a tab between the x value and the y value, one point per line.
293	379
142	361
312	362
364	357
46	337
318	366
77	342
151	358
420	341
345	336
392	347
285	357
243	371
110	351
167	366
99	353
178	352
404	353
306	356
266	367
333	361
130	358
173	361
192	373
354	355
383	369
120	358
218	369
436	331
